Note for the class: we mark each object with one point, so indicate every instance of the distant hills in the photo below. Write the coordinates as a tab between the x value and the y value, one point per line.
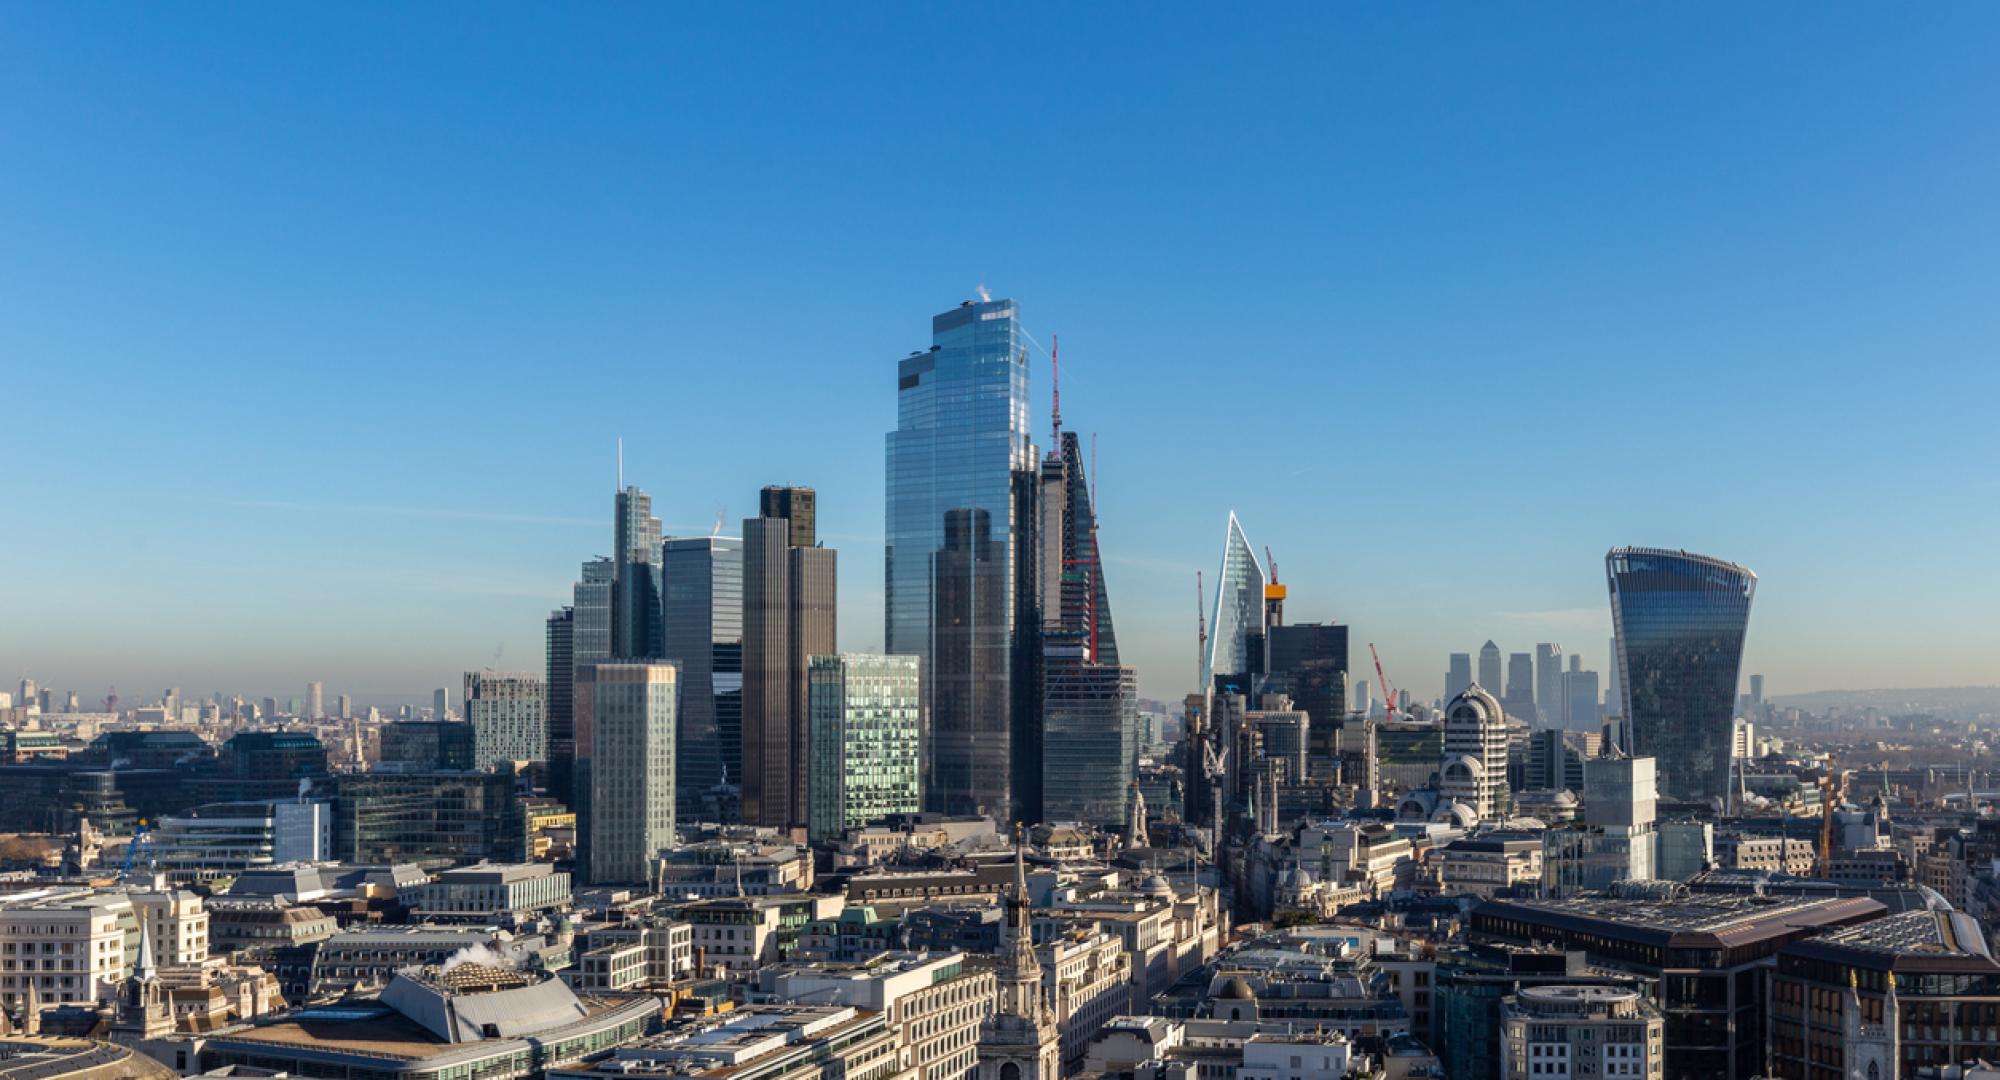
1943	700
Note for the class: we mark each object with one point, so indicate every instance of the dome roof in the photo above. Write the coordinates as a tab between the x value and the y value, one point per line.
1455	814
1476	698
1157	886
1237	989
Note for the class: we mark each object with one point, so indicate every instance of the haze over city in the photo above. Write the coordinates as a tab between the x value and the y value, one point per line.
319	327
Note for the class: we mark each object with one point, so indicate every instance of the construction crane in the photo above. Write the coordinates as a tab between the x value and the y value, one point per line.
1388	692
1200	631
141	838
1832	790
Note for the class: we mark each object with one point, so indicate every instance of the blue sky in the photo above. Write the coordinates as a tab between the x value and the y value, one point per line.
317	326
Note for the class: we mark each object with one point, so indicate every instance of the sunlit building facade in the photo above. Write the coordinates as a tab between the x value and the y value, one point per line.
960	447
1680	621
864	746
1238	615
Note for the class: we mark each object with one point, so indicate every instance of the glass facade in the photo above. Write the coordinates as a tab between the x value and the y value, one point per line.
1090	735
865	714
701	616
1680	622
635	621
1239	607
961	436
588	640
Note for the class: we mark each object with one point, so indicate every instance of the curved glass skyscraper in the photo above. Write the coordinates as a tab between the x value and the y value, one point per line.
1680	621
1239	608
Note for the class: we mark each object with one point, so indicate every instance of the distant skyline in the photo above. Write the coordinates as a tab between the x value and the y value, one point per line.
317	327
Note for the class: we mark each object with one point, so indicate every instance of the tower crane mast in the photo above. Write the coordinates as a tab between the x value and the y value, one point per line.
1388	692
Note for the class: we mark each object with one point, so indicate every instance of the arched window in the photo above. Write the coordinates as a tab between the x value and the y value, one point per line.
1012	1071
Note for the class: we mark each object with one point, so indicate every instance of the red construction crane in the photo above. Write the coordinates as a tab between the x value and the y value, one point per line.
1388	692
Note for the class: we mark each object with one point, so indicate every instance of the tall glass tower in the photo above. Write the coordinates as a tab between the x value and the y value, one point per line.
1680	621
1239	608
961	437
701	619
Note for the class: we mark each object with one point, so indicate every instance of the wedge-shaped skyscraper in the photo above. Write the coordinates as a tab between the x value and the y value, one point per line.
1239	607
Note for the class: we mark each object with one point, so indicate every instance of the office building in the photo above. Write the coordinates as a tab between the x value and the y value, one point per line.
1519	700
222	840
1238	616
1458	675
1616	841
1089	735
635	577
937	1003
504	711
1581	710
440	703
430	1021
1756	689
1917	990
587	637
315	702
1473	771
1611	696
427	746
959	521
1581	1033
625	767
701	617
1489	667
1363	703
346	707
1075	750
1308	662
788	618
1549	698
865	713
1680	622
1711	954
559	698
390	817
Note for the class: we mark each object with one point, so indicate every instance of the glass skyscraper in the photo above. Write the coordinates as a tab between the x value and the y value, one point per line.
1239	608
701	617
635	603
1680	621
960	445
864	742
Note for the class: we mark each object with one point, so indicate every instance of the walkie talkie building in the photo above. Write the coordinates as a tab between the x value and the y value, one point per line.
1680	620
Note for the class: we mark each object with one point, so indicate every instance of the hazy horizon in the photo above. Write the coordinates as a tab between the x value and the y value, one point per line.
318	326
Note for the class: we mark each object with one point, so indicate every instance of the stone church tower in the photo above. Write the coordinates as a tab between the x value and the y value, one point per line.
1020	1041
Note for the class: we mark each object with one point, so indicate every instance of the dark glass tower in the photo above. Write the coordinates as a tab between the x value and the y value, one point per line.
635	622
701	616
1087	743
1680	622
955	557
558	708
788	618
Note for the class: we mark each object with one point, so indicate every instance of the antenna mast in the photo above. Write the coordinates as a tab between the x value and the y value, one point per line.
1055	389
1200	629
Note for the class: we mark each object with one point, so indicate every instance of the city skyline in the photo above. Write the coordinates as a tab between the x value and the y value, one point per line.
282	367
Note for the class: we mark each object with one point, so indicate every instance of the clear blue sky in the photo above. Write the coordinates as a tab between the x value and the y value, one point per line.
317	325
